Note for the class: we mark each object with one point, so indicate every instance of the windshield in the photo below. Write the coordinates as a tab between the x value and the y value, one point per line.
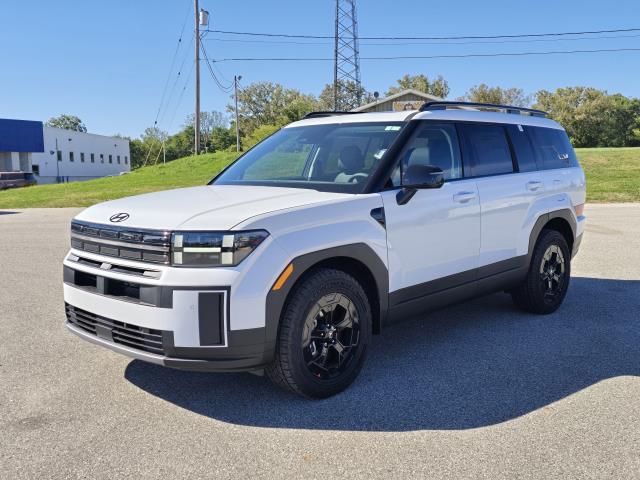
335	157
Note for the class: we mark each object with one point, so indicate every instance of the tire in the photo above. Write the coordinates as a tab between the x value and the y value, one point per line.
547	280
312	356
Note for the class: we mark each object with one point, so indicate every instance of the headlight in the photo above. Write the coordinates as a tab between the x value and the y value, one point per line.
213	249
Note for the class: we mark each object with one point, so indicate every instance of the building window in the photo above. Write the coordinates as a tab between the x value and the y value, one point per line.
110	158
118	159
126	160
35	169
71	156
102	158
93	158
59	154
82	157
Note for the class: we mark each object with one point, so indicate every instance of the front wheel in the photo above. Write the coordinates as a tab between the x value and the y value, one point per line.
547	281
324	335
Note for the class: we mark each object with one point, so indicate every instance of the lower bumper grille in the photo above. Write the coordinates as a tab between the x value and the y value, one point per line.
132	336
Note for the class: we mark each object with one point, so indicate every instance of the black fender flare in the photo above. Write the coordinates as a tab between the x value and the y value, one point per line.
564	213
360	252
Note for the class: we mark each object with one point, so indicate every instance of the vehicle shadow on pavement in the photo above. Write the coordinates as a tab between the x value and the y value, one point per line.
466	366
7	212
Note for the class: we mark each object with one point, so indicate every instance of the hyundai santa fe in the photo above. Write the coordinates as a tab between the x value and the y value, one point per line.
325	233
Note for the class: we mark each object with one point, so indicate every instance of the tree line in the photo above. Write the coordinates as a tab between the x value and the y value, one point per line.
592	117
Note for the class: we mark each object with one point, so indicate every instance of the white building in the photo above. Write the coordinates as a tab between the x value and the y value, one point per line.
71	156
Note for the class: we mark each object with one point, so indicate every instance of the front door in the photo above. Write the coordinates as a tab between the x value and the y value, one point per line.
434	239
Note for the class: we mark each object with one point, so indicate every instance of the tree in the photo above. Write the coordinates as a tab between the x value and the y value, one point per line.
222	138
483	93
592	117
68	122
208	122
137	152
259	134
267	103
437	86
349	96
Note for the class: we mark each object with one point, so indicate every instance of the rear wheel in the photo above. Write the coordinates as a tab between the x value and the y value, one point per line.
547	281
324	335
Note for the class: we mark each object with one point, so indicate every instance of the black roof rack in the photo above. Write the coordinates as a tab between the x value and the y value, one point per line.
327	113
442	105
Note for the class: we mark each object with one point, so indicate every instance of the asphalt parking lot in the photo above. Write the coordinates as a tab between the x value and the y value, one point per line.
478	390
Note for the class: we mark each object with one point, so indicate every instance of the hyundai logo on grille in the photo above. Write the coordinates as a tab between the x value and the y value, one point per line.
119	217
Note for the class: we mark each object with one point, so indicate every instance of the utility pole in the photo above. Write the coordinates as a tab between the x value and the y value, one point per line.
236	79
197	60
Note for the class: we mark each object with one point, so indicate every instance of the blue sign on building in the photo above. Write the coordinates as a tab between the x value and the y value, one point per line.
21	136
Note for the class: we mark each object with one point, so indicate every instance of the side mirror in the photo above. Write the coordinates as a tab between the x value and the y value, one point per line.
417	177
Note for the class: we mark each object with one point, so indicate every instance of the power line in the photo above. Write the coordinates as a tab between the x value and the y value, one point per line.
177	78
458	37
425	42
173	61
221	86
428	57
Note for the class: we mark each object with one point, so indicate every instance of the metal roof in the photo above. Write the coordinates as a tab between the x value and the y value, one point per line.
21	136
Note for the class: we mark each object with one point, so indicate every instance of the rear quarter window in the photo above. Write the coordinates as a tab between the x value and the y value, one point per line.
552	148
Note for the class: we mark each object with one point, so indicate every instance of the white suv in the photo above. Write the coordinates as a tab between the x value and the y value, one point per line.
326	232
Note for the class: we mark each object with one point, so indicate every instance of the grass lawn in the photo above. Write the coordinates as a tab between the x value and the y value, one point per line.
613	175
185	172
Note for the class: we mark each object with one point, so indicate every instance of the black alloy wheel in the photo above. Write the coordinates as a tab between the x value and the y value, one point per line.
552	273
330	336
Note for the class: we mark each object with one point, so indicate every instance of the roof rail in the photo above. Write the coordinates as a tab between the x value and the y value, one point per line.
326	113
442	105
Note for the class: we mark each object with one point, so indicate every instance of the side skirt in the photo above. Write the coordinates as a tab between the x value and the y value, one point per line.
409	302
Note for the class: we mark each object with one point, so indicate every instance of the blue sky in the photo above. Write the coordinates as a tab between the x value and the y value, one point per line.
108	62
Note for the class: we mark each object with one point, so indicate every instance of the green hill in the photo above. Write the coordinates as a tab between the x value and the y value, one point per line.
184	172
613	175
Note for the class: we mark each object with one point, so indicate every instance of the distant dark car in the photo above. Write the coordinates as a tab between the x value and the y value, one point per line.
16	179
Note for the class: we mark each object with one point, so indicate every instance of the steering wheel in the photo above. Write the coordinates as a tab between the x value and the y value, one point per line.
358	178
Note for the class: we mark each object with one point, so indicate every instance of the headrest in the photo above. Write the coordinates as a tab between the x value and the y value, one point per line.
418	156
439	149
352	159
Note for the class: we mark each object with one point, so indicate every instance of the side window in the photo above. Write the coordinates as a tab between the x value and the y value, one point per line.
433	144
552	147
525	156
490	154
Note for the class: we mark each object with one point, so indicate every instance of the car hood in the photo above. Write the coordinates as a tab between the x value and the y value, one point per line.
211	207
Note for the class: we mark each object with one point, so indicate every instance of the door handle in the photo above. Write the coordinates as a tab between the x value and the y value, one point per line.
464	197
534	185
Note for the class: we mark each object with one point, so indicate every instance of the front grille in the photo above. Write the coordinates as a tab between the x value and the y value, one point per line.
132	244
132	336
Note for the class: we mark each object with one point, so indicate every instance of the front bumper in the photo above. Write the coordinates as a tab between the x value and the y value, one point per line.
233	359
174	318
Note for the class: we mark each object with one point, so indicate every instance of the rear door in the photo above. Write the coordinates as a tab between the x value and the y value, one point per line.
506	195
434	239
